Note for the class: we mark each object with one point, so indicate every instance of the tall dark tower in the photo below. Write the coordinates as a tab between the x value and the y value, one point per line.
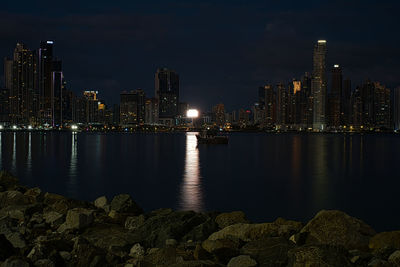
318	86
45	68
167	92
335	97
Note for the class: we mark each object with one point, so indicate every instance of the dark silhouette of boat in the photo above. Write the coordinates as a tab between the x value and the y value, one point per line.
211	137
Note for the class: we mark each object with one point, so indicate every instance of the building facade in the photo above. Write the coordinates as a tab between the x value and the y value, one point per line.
318	86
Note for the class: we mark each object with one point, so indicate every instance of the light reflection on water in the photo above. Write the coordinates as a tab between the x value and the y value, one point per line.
191	191
73	164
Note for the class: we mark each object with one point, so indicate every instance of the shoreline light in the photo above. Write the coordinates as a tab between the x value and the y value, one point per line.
74	127
192	113
321	41
336	66
14	127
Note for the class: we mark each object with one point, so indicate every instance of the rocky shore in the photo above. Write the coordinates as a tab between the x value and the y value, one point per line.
45	229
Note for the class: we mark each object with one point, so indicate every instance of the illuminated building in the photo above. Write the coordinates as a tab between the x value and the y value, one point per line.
44	81
219	115
23	97
281	103
151	111
306	102
167	93
318	86
382	106
345	106
334	99
57	88
132	107
4	106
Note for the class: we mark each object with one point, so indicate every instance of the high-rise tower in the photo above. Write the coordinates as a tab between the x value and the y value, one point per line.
318	86
167	92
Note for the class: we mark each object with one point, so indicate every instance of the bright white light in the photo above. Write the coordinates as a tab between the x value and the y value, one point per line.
50	42
30	127
321	41
74	127
1	127
192	113
14	127
336	66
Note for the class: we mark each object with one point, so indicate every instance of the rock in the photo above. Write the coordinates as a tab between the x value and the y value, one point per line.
77	218
6	248
10	198
7	180
299	239
16	240
110	237
242	261
53	218
202	231
124	204
137	251
271	251
318	255
36	253
161	256
62	204
225	219
101	202
337	228
385	239
34	194
15	262
65	255
379	263
249	232
134	222
201	254
44	263
85	254
223	249
394	258
196	263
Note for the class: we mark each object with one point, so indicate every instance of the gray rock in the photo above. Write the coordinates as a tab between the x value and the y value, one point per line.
271	251
137	251
44	263
77	218
65	255
15	262
36	253
318	255
101	202
53	218
335	227
16	240
161	256
134	222
385	239
229	218
249	232
171	242
223	249
10	198
242	261
379	263
124	204
34	194
394	258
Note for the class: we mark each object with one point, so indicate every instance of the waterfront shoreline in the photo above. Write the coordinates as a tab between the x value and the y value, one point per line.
46	229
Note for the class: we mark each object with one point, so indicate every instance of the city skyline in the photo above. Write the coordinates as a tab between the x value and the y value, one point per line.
114	49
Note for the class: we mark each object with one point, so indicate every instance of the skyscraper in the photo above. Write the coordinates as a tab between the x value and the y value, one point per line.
335	97
57	88
23	97
318	86
132	107
8	72
167	92
282	105
44	81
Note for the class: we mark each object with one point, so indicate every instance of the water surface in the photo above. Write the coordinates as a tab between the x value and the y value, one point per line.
266	175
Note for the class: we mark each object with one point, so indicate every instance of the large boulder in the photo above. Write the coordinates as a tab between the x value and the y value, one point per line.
222	249
228	218
125	204
318	255
15	262
77	218
132	223
249	232
242	261
10	198
385	240
268	252
335	227
394	258
102	203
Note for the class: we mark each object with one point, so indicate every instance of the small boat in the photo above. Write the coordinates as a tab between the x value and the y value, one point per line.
209	137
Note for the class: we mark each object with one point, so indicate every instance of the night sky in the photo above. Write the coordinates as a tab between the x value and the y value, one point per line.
223	50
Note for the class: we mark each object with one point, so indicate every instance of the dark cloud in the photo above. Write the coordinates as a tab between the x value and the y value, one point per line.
223	50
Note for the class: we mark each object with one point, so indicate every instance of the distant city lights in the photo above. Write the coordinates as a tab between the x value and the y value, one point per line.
192	113
14	127
1	127
30	127
74	127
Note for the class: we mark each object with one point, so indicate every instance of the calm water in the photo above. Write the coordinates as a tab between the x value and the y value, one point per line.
265	175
